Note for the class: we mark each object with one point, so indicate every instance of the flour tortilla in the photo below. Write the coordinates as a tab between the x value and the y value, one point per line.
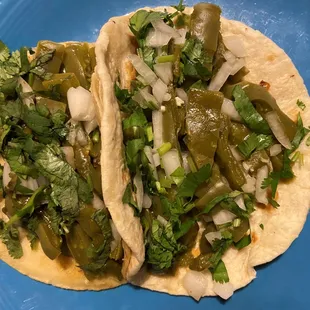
266	61
63	271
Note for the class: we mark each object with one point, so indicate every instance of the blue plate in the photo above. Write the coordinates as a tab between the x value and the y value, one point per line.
283	284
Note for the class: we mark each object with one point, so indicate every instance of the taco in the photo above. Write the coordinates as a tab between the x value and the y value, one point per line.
54	226
203	120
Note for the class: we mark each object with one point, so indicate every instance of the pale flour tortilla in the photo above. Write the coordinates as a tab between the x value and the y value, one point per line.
266	61
63	271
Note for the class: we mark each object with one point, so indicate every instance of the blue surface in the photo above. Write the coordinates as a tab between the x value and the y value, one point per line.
283	284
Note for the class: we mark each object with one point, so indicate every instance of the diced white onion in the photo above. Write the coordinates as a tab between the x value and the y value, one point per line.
6	174
235	153
157	38
137	181
275	150
29	183
26	90
211	236
239	200
277	129
181	93
171	161
149	154
161	26
162	220
97	203
164	72
69	154
141	79
167	97
229	56
221	77
159	90
147	201
157	120
229	109
144	92
235	45
81	136
90	126
261	194
195	283
156	158
186	166
223	290
250	185
179	101
223	217
81	104
181	40
143	69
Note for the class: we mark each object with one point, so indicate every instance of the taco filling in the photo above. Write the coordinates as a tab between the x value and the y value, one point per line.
50	145
204	147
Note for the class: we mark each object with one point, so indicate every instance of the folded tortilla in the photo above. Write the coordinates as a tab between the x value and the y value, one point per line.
266	61
63	271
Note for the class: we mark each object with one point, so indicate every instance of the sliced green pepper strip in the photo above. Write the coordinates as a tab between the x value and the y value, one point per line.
230	167
203	125
238	132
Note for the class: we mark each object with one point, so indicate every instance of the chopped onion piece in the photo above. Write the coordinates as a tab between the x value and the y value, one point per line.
141	79
156	158
171	161
223	290
181	93
278	129
6	174
159	90
162	220
149	98
179	101
250	185
261	193
147	201
149	154
81	136
97	203
30	183
137	181
235	153
195	283
211	236
157	38
186	166
229	56
27	92
181	40
90	126
167	97
235	45
164	72
229	109
69	154
162	27
275	150
239	200
143	69
221	77
157	120
81	104
222	217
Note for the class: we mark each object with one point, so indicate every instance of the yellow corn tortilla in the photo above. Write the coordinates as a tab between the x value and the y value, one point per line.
63	271
266	61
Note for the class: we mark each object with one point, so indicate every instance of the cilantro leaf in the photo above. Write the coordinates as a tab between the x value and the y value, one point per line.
261	226
248	113
219	273
300	104
254	142
193	180
162	247
219	246
4	52
244	242
128	197
133	147
10	237
137	118
301	132
180	7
